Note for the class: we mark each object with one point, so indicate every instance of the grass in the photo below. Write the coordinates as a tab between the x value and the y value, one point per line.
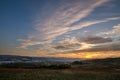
106	69
52	74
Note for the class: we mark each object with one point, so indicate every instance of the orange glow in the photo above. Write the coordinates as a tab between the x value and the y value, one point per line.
84	55
98	55
91	56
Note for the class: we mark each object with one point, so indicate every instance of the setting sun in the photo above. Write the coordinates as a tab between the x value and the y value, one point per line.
91	56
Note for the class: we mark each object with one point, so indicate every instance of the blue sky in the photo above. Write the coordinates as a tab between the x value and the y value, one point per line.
59	27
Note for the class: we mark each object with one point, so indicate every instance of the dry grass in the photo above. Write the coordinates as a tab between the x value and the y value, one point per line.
51	74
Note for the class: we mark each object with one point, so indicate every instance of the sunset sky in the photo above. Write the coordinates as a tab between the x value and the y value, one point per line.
60	28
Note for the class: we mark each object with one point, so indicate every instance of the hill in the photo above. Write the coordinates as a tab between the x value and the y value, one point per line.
15	59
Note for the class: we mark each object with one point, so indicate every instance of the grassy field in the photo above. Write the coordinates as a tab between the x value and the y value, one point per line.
53	74
103	69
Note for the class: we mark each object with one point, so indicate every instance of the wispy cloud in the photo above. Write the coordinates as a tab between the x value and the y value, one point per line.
114	32
111	46
89	23
95	39
61	20
78	43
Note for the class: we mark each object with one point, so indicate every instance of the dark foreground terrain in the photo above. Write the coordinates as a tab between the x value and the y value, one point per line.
52	74
103	69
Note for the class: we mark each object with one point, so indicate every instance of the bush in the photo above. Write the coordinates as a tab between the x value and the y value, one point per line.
60	66
36	65
77	63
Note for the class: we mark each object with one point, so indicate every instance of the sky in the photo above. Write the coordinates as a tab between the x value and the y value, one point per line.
60	28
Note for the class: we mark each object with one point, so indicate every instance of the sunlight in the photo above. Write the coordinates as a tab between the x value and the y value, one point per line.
91	56
86	46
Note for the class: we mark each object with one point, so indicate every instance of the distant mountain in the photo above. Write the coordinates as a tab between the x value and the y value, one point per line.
106	61
98	62
14	59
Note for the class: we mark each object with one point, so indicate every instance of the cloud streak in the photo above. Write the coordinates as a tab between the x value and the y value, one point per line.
80	43
61	20
114	32
95	39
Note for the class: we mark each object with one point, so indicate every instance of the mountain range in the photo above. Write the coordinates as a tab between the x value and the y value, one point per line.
15	58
